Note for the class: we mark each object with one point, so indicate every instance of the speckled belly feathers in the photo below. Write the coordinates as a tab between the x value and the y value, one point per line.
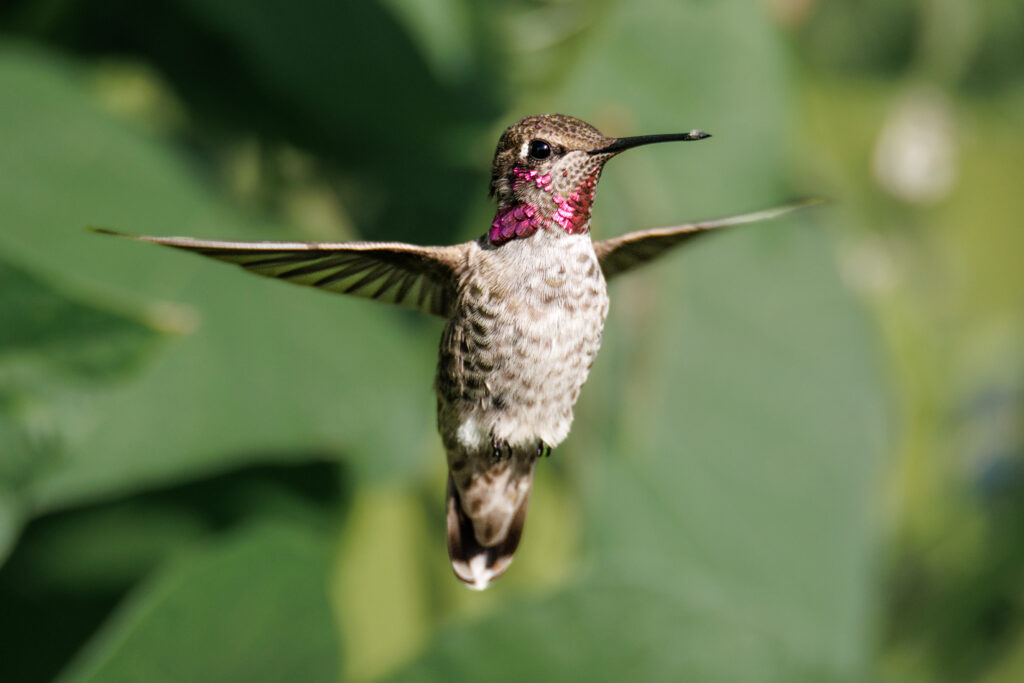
526	329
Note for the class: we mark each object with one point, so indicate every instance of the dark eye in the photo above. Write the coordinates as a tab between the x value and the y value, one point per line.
539	149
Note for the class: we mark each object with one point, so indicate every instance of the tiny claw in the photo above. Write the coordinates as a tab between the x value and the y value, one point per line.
500	448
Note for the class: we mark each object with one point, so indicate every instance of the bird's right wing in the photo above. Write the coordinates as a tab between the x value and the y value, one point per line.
406	274
625	252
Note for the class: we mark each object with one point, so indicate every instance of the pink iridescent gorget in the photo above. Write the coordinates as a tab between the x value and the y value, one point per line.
523	220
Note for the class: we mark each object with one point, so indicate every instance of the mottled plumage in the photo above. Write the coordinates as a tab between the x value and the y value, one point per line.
525	305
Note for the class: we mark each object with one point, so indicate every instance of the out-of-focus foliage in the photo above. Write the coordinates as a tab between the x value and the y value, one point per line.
799	456
286	634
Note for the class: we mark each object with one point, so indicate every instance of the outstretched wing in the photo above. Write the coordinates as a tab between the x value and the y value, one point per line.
625	252
405	274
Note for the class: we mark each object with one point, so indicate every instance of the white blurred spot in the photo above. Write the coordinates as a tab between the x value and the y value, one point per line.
172	318
915	156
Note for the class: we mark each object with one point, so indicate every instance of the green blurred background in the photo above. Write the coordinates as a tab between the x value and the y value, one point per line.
799	456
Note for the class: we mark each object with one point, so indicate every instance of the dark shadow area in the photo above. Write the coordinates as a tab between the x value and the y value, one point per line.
72	568
239	74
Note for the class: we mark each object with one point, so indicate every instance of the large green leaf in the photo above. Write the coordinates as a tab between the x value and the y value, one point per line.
371	104
55	354
253	608
79	341
269	370
71	569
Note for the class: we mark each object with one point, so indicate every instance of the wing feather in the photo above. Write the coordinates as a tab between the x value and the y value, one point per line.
626	252
393	272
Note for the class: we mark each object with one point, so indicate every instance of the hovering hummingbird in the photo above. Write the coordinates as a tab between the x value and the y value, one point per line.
525	306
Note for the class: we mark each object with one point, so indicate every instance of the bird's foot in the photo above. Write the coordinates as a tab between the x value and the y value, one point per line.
500	449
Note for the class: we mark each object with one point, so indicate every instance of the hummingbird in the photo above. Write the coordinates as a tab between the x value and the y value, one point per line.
524	304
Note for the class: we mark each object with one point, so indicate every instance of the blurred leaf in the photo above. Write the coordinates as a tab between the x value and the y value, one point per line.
252	609
10	520
271	372
53	352
71	569
150	526
863	36
389	132
443	32
637	75
43	325
602	632
337	97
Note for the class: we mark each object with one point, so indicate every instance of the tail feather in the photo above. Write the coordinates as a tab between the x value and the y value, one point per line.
475	565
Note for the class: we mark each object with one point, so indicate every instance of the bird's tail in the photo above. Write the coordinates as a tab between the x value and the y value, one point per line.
476	564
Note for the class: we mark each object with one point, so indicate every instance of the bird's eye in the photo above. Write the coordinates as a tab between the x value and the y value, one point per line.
539	149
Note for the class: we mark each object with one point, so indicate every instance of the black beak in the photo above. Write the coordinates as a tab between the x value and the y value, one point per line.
621	144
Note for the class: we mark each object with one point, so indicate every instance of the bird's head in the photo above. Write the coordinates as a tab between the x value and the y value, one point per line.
545	172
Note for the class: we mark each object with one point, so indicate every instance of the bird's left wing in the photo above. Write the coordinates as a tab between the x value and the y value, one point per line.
625	252
406	274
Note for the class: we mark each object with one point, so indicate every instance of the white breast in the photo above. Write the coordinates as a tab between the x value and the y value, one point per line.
548	331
